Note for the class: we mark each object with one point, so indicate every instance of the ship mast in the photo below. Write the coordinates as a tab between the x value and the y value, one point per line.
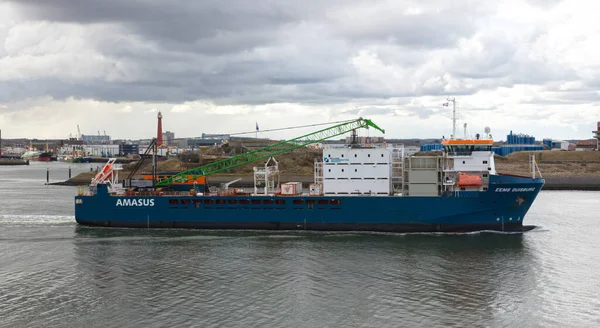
453	100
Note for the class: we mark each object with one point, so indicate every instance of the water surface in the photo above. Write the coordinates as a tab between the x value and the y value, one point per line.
54	273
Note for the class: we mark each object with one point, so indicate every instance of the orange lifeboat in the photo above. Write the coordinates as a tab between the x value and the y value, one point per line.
465	180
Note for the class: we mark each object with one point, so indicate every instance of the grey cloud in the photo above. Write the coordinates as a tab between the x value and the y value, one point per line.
256	52
184	21
565	98
368	111
544	3
505	63
412	31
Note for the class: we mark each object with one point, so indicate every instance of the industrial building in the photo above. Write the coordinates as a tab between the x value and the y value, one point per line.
554	144
216	136
168	138
583	145
195	143
128	149
95	139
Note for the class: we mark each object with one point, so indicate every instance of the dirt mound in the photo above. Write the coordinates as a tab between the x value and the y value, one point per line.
163	164
555	155
299	161
550	170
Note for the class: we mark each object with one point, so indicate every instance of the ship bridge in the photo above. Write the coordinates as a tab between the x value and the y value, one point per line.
466	147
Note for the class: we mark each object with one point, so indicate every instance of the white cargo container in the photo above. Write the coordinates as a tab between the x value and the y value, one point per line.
357	171
291	188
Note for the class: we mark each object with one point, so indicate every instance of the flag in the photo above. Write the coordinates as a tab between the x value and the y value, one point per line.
256	126
445	104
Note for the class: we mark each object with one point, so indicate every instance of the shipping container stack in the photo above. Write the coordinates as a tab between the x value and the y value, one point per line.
432	147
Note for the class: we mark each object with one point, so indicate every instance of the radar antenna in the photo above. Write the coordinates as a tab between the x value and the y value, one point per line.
453	100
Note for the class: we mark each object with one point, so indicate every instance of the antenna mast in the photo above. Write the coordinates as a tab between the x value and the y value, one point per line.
453	100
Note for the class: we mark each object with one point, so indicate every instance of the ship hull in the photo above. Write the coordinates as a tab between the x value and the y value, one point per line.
40	159
502	207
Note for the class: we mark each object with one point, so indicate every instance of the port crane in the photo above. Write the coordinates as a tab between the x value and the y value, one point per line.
271	150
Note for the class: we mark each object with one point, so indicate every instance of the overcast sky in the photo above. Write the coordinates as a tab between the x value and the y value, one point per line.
221	66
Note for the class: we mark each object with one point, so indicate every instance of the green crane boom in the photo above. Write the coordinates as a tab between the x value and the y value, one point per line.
272	150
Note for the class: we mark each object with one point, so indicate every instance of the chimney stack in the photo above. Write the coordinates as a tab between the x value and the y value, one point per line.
159	139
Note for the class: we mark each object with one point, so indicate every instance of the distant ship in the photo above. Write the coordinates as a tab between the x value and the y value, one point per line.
82	159
35	155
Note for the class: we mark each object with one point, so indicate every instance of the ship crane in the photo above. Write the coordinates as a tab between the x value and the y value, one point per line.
272	150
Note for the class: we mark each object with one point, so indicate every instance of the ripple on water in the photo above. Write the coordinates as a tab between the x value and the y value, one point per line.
56	273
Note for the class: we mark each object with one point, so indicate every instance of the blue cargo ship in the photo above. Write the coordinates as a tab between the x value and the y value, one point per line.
355	189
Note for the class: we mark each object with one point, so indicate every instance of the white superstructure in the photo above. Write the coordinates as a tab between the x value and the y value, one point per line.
358	171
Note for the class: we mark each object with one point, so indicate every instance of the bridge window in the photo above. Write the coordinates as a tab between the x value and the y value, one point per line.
466	150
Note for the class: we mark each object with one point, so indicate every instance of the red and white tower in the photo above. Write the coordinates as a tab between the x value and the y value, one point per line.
159	139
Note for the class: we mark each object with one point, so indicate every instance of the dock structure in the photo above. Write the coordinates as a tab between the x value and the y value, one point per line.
13	162
597	136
